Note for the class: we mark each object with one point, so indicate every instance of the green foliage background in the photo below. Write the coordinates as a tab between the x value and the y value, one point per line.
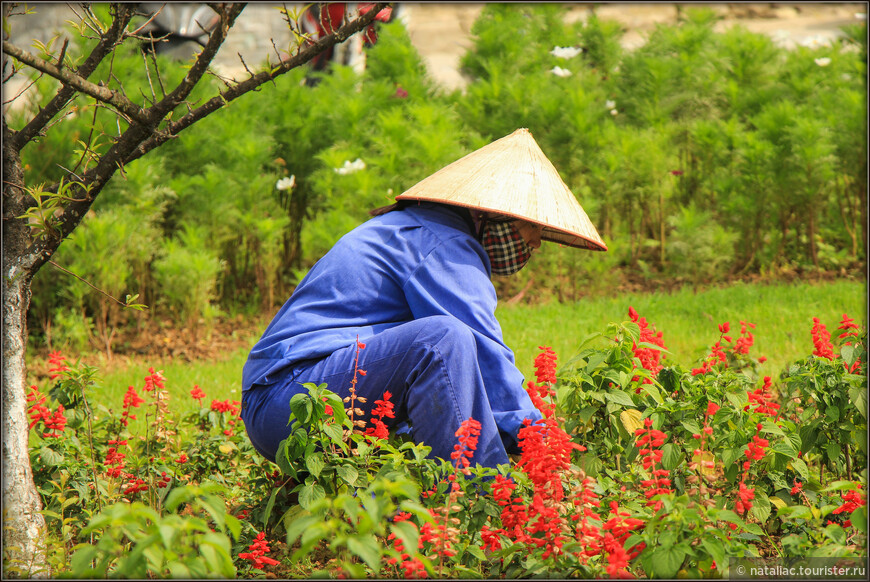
700	156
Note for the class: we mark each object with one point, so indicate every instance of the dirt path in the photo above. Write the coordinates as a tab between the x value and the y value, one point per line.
442	32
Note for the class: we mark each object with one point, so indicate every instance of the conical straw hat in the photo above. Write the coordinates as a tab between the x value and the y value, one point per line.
513	177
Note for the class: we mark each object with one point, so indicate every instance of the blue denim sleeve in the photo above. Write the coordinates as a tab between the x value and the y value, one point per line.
453	280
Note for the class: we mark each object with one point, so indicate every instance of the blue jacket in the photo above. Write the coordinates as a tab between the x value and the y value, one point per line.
394	268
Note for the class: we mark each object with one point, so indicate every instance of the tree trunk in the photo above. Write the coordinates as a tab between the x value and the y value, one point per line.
23	525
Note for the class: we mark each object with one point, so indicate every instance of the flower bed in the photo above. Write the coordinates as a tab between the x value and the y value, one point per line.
639	468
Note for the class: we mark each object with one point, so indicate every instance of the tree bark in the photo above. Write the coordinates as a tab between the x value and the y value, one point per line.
22	522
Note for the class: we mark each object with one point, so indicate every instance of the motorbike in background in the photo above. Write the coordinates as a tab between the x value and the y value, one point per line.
324	18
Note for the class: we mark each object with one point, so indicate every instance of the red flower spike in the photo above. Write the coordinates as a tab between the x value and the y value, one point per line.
649	357
58	366
256	553
197	394
383	409
821	340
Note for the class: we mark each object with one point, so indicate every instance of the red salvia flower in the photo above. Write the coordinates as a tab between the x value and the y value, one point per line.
231	406
649	357
546	453
131	400
822	340
38	412
746	495
852	501
114	460
762	398
58	365
383	408
154	380
134	486
545	365
850	331
468	433
164	481
545	374
256	551
436	534
745	341
197	394
849	326
649	445
55	424
798	487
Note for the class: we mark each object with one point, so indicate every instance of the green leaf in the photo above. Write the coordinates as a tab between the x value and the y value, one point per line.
671	456
760	506
407	532
714	548
50	457
801	468
595	360
849	355
654	393
619	397
665	563
585	413
692	426
832	451
858	396
841	485
315	464
785	447
310	493
859	519
367	548
269	506
738	400
348	474
301	407
836	534
299	524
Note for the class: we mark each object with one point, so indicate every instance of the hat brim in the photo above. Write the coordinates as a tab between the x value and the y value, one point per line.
512	177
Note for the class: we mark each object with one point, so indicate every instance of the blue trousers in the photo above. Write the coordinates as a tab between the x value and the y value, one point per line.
428	365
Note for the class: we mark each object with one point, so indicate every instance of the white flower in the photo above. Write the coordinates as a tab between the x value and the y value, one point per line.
351	167
816	42
565	52
560	72
846	77
861	15
823	61
286	183
614	112
609	104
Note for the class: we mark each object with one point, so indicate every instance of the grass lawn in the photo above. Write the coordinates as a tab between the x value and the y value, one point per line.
782	314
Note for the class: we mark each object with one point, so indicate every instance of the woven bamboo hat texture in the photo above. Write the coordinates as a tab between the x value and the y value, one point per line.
513	177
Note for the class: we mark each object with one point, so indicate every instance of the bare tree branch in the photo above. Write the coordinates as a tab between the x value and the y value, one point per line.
77	83
255	81
124	13
228	14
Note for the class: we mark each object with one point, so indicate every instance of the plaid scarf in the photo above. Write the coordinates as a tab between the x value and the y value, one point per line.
508	252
